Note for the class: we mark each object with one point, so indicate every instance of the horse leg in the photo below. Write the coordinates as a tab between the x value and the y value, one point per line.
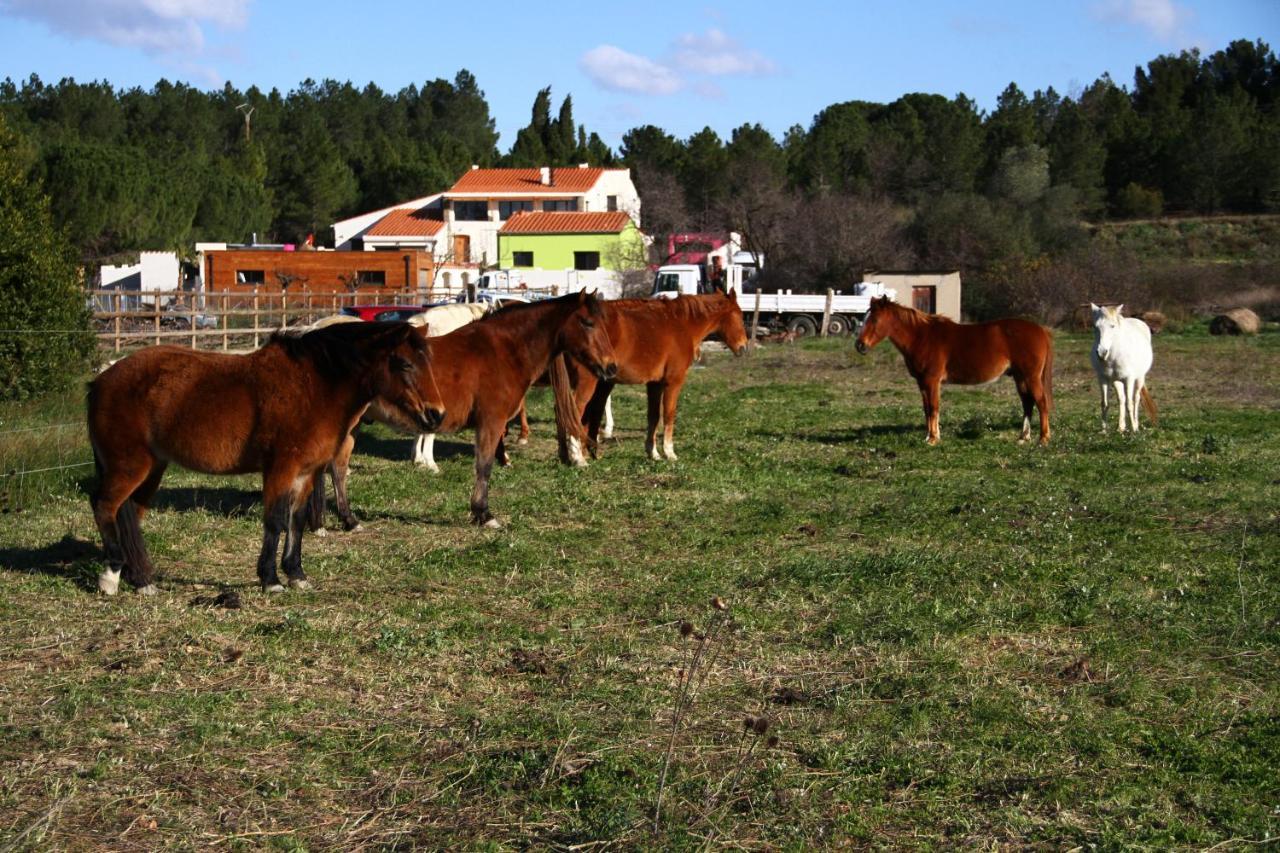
291	562
594	411
487	437
424	452
280	488
339	467
584	393
931	395
1122	400
1035	386
143	494
670	402
1134	387
655	413
607	432
117	521
501	452
1102	386
1028	403
315	504
524	423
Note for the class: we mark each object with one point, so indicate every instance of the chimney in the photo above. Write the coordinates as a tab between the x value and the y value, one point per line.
582	165
544	176
475	166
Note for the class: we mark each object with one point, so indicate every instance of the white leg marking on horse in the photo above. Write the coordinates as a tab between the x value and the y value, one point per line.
652	449
669	450
357	528
607	430
300	583
273	588
321	532
109	582
576	457
493	524
149	589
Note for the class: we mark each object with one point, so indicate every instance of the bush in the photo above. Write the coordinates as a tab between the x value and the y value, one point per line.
1139	202
45	340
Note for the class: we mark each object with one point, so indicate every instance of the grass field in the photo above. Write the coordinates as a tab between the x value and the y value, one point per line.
979	644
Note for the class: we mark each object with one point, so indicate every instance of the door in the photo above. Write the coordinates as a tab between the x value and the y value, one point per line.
924	299
461	248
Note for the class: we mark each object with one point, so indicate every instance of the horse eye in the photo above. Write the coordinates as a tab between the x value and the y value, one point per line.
589	323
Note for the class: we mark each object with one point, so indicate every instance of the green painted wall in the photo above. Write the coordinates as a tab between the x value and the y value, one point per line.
555	251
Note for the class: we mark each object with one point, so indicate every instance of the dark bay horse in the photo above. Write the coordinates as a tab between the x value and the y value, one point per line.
283	410
656	341
939	350
483	371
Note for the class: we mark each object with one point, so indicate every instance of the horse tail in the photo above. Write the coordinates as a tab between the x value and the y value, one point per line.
1046	376
315	503
568	424
1149	403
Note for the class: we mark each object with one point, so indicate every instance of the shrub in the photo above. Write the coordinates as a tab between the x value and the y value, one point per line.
45	341
1138	201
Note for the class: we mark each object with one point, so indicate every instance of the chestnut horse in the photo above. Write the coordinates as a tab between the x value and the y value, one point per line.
483	371
656	341
939	350
283	410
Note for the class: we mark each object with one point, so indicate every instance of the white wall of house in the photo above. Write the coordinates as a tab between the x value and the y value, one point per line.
153	271
614	182
347	230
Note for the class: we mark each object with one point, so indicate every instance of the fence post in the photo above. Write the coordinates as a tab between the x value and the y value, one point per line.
116	321
826	314
155	310
192	305
755	317
255	319
226	342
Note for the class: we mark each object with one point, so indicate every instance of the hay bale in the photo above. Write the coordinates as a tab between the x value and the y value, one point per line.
1155	320
1237	321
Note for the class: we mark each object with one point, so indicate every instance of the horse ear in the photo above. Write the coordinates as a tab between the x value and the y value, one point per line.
1119	309
1093	308
729	293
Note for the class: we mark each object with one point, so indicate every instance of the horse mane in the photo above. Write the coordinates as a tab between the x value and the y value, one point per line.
528	311
914	316
340	350
685	306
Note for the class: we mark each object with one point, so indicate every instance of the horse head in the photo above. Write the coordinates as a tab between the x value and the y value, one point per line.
405	386
875	326
1106	325
584	336
731	328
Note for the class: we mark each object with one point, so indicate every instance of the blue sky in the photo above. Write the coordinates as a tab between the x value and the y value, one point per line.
679	66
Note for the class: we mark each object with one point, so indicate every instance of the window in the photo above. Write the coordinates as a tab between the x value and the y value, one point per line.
668	282
568	204
371	278
586	260
471	211
507	208
522	259
611	203
251	276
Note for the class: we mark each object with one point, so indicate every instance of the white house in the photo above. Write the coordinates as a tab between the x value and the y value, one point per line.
460	226
153	271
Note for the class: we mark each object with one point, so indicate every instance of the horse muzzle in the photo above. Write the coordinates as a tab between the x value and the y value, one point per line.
607	373
861	347
430	420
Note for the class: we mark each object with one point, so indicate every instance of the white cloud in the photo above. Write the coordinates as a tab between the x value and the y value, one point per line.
169	28
615	69
692	55
718	55
1164	19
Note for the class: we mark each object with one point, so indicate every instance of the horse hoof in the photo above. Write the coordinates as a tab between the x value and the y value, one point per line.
606	434
109	582
273	588
430	467
578	462
358	528
671	456
299	583
522	441
321	532
149	589
493	524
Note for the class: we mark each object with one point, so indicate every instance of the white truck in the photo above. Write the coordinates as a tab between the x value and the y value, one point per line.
539	282
800	313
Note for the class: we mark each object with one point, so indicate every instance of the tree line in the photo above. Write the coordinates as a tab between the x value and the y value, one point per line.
927	179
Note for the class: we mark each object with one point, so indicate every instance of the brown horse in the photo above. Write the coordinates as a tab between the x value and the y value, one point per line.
938	350
483	371
656	341
283	410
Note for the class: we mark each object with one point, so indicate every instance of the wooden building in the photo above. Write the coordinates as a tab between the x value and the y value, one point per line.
246	270
932	291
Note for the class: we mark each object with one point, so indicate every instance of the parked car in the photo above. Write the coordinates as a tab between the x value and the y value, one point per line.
383	313
497	298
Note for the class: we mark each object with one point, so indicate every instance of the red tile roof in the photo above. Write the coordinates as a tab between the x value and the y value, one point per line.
526	181
564	222
405	222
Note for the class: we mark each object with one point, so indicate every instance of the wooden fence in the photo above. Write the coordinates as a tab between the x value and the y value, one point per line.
226	321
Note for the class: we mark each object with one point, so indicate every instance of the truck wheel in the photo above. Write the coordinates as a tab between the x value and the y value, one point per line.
803	326
839	326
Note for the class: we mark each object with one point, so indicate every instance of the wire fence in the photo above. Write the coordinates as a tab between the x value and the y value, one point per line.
39	462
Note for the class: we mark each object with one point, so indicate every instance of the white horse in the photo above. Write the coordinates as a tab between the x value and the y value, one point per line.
1121	357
